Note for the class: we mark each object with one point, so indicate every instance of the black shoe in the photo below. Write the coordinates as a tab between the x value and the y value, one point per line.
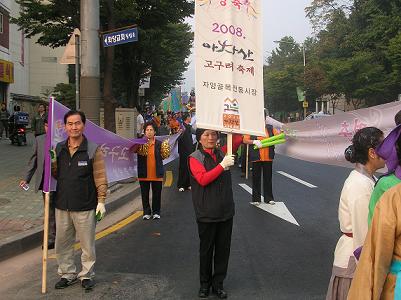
220	293
50	245
203	293
87	284
64	282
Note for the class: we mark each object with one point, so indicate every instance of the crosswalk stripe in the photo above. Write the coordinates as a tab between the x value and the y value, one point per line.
297	179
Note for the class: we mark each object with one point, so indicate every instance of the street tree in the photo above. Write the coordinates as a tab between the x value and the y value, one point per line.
54	20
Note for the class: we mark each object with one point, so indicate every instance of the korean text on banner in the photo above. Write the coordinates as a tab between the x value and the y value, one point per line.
229	66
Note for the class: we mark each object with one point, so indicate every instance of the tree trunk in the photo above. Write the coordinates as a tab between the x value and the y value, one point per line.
110	102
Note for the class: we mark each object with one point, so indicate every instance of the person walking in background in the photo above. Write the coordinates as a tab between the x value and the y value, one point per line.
151	171
79	168
185	148
38	125
139	124
36	164
213	201
262	163
4	116
353	208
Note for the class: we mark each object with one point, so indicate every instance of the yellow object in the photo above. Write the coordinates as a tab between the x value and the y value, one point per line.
165	149
143	149
6	71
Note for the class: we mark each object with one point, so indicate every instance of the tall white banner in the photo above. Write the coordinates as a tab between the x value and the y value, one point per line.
229	66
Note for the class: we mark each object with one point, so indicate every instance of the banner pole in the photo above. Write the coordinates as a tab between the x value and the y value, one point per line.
229	143
247	161
45	243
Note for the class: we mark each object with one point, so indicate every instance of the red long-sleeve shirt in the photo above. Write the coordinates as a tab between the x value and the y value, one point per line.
198	170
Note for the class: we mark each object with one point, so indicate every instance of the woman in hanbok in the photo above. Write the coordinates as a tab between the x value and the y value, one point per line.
353	208
379	270
390	151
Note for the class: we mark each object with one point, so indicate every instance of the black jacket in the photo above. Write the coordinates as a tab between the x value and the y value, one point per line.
76	189
214	202
185	141
143	162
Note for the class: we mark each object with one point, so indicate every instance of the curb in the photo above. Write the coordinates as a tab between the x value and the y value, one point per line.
119	194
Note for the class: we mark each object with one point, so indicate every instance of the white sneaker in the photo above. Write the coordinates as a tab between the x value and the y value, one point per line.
189	188
255	203
146	217
156	216
181	189
272	202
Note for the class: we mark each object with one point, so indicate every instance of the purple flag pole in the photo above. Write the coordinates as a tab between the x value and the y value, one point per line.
48	145
46	190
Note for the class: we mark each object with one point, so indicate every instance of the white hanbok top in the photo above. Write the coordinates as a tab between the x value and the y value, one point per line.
353	216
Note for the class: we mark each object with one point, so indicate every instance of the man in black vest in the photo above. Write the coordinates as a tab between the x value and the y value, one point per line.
213	201
79	168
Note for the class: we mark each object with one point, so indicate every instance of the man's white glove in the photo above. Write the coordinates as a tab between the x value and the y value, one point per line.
227	161
100	211
258	143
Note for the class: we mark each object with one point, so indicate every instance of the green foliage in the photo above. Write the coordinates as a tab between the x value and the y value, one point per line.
164	41
65	94
356	53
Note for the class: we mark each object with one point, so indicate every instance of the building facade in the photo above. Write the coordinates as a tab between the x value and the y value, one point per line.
28	72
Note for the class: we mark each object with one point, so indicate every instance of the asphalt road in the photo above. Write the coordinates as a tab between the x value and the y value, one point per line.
270	257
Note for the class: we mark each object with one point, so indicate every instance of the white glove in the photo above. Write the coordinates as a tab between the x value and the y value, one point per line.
257	143
100	211
227	161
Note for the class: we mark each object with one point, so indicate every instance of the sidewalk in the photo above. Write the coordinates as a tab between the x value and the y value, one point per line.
21	212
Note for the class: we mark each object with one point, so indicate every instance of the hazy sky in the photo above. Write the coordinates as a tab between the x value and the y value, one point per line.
280	18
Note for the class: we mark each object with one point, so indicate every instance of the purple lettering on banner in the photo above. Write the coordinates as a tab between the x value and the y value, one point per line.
324	140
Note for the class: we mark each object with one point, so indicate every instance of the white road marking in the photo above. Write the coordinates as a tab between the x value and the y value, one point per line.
297	179
279	209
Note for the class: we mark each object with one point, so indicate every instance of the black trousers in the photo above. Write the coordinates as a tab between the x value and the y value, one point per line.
183	172
214	252
258	168
156	196
3	127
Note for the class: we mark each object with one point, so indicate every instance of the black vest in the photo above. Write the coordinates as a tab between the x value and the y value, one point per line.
214	202
254	153
143	162
76	189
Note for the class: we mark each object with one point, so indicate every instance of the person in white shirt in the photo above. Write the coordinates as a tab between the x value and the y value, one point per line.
139	124
354	208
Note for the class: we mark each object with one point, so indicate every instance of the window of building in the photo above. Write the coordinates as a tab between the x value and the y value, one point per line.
1	23
49	59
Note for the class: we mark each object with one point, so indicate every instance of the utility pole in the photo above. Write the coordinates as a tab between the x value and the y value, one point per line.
77	63
90	68
304	56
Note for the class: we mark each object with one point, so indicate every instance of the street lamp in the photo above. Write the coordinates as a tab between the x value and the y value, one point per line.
305	103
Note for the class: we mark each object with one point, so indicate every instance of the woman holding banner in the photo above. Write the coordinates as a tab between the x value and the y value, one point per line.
151	170
353	208
213	201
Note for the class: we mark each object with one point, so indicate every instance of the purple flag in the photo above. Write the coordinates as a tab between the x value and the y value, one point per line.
120	162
